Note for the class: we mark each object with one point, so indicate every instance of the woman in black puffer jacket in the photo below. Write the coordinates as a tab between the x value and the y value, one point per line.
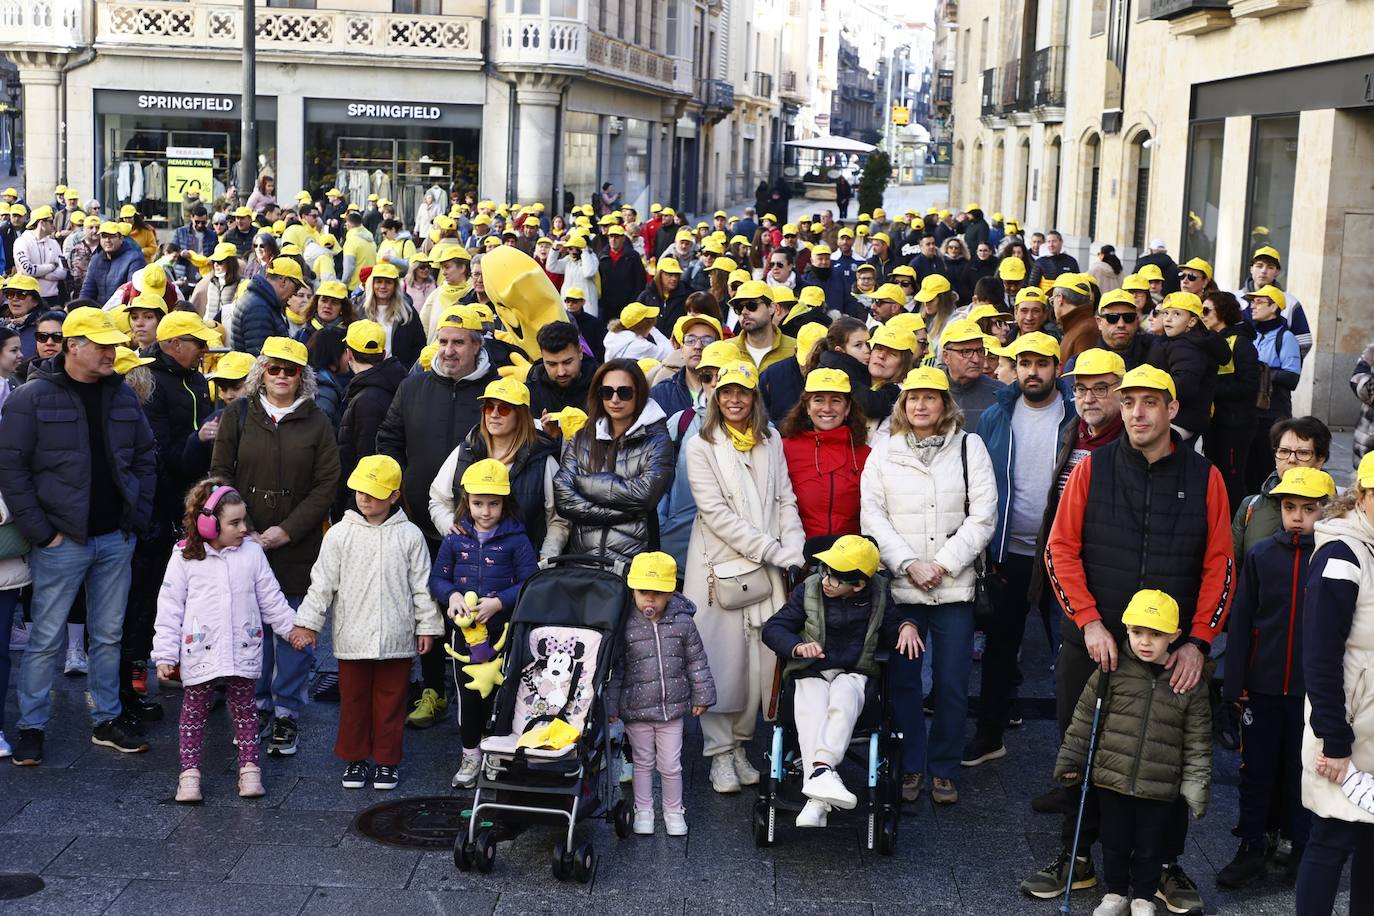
1227	443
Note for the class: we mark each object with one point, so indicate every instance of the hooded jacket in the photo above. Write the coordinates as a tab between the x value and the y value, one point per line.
613	509
673	395
825	468
1192	360
495	568
428	417
663	672
365	405
105	274
1153	743
1265	640
258	315
547	396
45	469
832	281
179	405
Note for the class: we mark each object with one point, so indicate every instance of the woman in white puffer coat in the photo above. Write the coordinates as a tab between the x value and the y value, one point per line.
930	527
14	575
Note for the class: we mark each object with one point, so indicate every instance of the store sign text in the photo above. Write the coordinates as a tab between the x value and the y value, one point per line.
186	102
413	112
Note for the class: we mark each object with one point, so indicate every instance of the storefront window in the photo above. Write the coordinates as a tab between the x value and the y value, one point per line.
134	131
636	181
581	135
1204	191
1274	168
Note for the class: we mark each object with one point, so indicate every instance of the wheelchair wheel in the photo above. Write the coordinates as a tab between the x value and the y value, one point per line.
887	833
484	851
562	862
464	852
763	819
620	817
584	863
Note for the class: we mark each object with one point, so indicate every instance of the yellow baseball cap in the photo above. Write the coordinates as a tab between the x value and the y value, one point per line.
1271	292
738	275
961	331
125	211
851	553
1364	474
25	283
184	324
1309	483
1151	272
288	268
126	359
782	295
574	292
1185	301
1030	293
575	241
95	325
669	266
449	252
1267	251
888	292
682	324
109	228
378	476
39	213
906	321
927	377
881	237
460	316
1079	283
809	336
811	297
846	233
652	572
1201	266
742	374
1152	609
635	312
905	270
508	390
1098	361
820	248
833	380
1117	297
932	286
149	299
1134	283
385	270
720	354
752	289
487	477
740	240
1148	376
1038	343
727	264
232	367
284	348
303	197
893	338
987	310
365	336
333	289
1013	269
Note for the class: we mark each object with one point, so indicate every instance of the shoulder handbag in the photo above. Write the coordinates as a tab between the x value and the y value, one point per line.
983	603
736	583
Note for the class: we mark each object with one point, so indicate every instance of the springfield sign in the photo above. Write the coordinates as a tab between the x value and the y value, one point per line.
190	168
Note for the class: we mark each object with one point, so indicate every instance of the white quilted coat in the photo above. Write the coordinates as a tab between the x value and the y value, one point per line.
376	580
916	512
14	572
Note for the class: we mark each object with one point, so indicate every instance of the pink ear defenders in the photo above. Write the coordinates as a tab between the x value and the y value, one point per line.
207	525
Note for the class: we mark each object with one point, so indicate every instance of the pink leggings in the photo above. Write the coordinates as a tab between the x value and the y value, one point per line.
656	745
195	709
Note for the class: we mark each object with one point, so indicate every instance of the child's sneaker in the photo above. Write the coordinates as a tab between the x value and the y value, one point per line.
813	814
188	787
675	823
825	785
386	778
355	775
1048	882
1113	905
1177	891
466	777
284	732
250	782
748	776
1143	908
644	823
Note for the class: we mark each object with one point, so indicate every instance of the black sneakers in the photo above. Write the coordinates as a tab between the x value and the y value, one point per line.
385	778
28	749
1248	867
1048	882
355	775
983	748
112	734
283	743
1177	891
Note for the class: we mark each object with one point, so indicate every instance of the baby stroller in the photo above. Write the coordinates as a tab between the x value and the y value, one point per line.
565	635
876	745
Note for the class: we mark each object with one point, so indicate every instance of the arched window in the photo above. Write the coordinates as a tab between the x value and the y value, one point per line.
1139	175
1092	181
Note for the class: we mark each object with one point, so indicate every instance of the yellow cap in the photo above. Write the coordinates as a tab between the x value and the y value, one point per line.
1267	251
574	292
635	312
1038	343
286	349
126	359
1079	283
1098	361
719	354
554	736
1152	609
378	476
1151	272
738	373
1185	301
653	572
1030	293
1134	283
987	310
851	553
1309	483
846	233
882	237
1201	266
893	338
820	248
1148	376
575	241
682	324
232	367
647	364
809	336
508	390
880	213
782	295
739	275
109	228
127	211
905	270
932	286
303	197
906	321
29	284
333	289
862	229
927	377
811	297
385	270
487	477
740	240
1364	474
1117	297
1271	292
184	324
427	356
961	331
286	267
789	229
460	316
864	217
449	252
797	311
39	213
656	207
752	289
149	299
77	219
833	380
889	292
669	266
727	264
365	336
93	324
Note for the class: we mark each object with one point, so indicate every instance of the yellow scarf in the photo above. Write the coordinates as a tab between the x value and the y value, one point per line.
295	319
742	441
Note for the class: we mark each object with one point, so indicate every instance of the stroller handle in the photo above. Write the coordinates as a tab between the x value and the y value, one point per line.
584	559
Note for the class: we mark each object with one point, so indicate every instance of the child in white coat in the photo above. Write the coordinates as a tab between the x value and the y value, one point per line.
215	597
373	570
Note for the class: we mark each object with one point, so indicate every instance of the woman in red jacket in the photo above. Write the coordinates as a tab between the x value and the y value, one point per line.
824	443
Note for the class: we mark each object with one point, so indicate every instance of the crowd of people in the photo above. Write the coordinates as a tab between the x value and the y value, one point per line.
806	441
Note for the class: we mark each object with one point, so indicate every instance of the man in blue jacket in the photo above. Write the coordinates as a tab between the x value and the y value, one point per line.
261	311
113	266
1021	431
78	467
824	275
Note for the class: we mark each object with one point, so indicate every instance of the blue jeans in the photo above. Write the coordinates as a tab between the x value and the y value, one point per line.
285	673
947	630
9	600
103	563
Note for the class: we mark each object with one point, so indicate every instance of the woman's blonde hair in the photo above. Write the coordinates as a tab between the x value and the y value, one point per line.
1346	502
758	418
399	310
951	419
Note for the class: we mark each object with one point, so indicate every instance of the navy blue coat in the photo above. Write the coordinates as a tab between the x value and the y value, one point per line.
495	569
672	394
836	286
105	274
1265	643
258	316
782	384
45	468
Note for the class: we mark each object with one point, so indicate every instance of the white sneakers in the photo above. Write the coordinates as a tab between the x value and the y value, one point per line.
674	823
466	777
1143	908
77	663
1117	905
748	776
724	778
814	814
825	785
644	823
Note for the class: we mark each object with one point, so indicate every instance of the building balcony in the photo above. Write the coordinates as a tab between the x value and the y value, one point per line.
543	42
1047	84
762	84
793	88
200	26
716	98
43	25
620	58
1192	17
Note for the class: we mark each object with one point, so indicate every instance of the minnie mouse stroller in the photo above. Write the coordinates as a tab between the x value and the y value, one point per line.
566	635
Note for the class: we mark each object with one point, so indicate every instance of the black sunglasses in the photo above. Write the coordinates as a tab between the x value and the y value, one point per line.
748	305
1191	278
623	392
47	336
706	375
288	371
1114	317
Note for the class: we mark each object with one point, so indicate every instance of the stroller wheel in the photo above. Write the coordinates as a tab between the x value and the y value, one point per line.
763	813
887	833
584	863
484	851
464	852
620	814
562	862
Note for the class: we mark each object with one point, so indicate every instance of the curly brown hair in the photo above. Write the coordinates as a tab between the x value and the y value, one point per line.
193	548
798	421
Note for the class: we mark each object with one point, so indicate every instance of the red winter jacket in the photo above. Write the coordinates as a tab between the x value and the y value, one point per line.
825	468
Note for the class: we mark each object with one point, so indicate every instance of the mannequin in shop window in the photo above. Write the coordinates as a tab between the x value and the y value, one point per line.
387	304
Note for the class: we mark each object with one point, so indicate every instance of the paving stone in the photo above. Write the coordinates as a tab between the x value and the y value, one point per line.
140	898
66	895
198	860
310	866
218	786
30	852
266	826
332	902
569	903
96	818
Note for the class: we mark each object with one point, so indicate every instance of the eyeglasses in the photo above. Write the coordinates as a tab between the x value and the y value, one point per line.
47	336
199	225
1191	278
288	371
777	263
259	245
749	305
1294	454
620	392
698	340
906	283
500	408
1114	317
707	376
1097	391
966	352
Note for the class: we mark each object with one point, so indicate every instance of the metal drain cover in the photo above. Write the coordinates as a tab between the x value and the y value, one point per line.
15	886
414	823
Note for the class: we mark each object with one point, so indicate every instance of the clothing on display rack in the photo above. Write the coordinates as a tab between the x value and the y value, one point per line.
129	181
154	181
380	184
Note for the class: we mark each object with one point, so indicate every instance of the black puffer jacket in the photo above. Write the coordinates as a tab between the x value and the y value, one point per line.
621	282
663	672
428	417
1192	360
1237	389
45	466
180	403
672	308
365	405
614	512
876	404
547	396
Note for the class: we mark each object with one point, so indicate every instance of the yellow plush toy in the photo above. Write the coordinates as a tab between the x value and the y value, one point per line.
483	661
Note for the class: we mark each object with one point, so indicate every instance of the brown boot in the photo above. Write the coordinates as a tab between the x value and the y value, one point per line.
188	786
250	782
